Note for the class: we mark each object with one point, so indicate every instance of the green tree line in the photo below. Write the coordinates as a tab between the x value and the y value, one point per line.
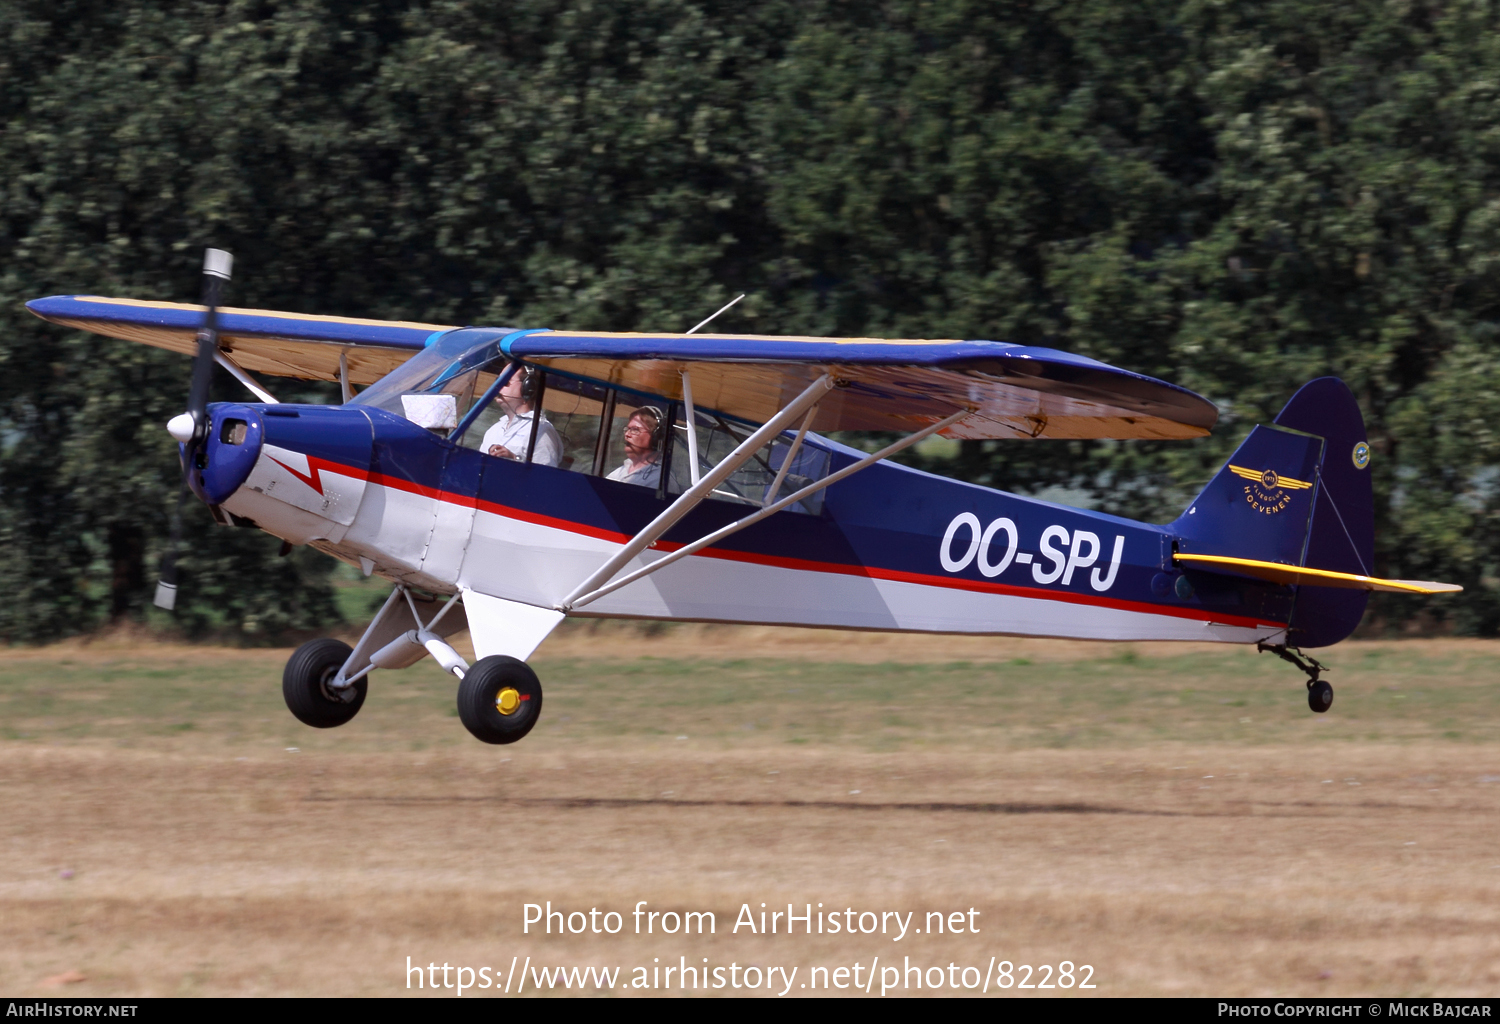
1236	195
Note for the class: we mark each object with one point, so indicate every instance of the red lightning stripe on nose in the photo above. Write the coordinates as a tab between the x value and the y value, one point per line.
314	481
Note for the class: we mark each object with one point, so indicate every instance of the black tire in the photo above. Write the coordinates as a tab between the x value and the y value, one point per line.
304	685
1319	696
499	699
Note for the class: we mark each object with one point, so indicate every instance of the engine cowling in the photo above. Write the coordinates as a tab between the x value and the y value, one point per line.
297	471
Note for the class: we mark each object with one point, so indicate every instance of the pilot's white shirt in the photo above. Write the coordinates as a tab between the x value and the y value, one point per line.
645	475
514	433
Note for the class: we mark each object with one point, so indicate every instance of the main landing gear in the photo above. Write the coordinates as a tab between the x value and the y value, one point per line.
304	685
325	681
1319	693
499	699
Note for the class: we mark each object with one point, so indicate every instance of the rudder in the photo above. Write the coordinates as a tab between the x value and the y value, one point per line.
1342	537
1297	492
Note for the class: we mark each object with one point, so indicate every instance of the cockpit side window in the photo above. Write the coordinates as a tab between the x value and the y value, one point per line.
553	419
544	419
640	450
577	410
751	484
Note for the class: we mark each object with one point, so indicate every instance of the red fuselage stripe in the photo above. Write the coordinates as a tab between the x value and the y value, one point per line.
803	565
311	478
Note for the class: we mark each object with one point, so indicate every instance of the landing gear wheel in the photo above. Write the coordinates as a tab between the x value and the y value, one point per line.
304	685
1319	696
499	699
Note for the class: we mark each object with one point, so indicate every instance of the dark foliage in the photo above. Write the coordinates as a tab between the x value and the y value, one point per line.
1233	195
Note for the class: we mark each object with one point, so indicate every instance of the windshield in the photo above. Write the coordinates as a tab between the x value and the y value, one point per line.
460	363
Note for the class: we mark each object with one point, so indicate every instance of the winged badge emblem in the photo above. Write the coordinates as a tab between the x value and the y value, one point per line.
1268	492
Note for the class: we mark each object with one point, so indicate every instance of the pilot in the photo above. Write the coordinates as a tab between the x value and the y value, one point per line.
510	437
643	434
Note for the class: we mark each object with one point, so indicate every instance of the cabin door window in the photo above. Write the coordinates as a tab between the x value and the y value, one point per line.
750	484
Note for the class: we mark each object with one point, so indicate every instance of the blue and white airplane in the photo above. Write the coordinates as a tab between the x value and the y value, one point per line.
503	479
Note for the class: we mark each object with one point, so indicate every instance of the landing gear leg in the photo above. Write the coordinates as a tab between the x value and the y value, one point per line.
1319	693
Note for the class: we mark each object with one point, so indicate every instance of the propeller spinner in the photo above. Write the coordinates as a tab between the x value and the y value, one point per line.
191	427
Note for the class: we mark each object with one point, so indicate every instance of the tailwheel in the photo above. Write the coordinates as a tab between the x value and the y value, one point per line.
304	685
499	699
1319	695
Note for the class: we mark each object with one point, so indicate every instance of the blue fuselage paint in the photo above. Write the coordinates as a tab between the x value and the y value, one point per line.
219	466
888	521
333	433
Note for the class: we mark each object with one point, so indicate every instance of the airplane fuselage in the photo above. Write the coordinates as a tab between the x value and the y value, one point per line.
893	548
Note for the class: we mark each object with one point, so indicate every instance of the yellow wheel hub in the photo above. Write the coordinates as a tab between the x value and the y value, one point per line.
507	700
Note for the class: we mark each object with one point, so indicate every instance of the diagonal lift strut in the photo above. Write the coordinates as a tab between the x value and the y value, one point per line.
602	582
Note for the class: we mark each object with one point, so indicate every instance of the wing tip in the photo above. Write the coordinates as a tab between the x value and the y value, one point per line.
1429	586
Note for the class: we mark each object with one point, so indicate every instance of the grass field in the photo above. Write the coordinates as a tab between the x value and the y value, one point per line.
1172	816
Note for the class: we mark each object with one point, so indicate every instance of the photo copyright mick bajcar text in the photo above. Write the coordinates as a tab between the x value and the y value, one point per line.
882	973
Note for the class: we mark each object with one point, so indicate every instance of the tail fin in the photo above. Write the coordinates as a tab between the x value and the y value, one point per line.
1342	537
1298	493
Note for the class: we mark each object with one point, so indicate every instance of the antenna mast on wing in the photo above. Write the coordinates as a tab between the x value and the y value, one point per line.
711	319
687	400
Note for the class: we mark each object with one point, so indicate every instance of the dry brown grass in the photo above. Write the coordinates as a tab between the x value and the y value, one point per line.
208	862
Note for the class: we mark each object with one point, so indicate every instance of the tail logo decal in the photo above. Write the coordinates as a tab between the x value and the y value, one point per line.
1361	455
1267	491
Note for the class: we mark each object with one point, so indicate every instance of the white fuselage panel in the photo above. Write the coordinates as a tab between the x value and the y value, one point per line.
448	546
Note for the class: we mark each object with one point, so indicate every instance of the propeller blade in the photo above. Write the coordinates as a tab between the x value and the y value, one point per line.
217	265
166	587
191	428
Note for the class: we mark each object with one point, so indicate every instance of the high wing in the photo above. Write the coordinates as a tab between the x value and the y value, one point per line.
279	344
1011	391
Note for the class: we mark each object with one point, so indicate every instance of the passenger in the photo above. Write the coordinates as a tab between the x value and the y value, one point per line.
643	433
509	438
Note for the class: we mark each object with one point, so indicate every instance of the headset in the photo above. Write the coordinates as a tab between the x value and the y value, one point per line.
658	423
531	377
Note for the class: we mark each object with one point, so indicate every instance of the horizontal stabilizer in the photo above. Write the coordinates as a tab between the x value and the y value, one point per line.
1275	572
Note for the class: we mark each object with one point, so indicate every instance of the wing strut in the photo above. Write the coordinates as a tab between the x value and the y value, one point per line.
222	358
689	499
574	600
692	425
